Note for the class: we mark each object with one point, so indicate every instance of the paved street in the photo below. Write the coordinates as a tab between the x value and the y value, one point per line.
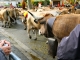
33	50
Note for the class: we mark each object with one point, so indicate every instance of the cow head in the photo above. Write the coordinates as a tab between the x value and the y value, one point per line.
42	21
72	10
64	12
43	25
43	29
68	11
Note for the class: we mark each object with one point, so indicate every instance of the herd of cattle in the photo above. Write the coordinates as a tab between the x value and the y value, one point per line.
46	23
8	16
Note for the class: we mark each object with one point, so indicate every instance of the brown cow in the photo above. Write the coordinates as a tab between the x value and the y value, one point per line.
70	10
77	11
32	25
13	13
61	27
64	12
4	17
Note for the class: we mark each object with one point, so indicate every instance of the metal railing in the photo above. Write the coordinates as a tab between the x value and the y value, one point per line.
13	56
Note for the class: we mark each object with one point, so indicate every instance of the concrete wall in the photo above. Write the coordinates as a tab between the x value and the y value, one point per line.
58	0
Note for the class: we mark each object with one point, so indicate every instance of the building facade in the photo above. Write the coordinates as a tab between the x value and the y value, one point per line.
6	2
55	2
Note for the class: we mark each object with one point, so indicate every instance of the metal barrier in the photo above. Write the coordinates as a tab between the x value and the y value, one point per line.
13	56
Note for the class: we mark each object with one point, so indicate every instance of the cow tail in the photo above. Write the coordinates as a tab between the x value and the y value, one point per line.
7	13
32	14
9	21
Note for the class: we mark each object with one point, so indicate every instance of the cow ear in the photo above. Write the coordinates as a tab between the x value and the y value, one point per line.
43	22
41	18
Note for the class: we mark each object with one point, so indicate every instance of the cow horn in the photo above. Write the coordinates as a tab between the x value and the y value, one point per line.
38	19
32	14
35	16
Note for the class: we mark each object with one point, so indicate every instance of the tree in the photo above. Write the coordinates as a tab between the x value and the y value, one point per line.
71	1
45	2
29	4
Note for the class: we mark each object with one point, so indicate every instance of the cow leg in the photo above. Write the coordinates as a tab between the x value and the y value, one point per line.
28	31
25	26
4	24
35	31
25	23
15	20
9	22
14	17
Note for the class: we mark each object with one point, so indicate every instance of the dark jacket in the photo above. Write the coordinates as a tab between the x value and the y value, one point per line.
2	55
69	47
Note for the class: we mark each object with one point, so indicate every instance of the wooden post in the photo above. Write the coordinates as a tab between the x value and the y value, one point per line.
23	4
29	4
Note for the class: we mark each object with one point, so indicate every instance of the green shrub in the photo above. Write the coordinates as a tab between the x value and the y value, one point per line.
36	3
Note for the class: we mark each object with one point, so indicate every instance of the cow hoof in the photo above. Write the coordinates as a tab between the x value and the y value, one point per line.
30	37
33	32
9	27
2	25
53	56
15	22
46	42
25	29
35	39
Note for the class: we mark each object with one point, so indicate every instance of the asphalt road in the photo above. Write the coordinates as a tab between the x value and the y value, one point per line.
30	49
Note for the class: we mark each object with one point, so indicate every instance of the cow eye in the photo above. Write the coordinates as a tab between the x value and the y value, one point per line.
35	21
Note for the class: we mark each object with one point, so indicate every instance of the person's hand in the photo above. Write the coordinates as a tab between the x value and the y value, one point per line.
6	49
